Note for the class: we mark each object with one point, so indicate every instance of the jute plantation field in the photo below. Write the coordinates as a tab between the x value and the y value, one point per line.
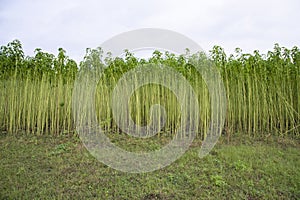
256	157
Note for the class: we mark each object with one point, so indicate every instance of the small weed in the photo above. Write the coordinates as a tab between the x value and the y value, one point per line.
218	180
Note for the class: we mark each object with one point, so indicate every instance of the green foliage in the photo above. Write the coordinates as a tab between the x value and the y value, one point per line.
262	90
11	58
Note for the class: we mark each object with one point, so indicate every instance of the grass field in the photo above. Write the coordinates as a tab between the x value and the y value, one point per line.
59	167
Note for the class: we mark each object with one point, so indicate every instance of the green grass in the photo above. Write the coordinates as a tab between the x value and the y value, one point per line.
59	167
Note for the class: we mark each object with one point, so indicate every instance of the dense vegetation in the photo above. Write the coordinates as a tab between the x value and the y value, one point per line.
262	90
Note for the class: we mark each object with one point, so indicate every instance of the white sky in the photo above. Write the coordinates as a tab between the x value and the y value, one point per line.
76	24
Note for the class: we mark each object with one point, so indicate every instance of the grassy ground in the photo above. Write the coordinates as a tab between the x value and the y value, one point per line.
48	167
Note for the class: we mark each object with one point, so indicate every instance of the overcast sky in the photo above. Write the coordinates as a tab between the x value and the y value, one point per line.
76	24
